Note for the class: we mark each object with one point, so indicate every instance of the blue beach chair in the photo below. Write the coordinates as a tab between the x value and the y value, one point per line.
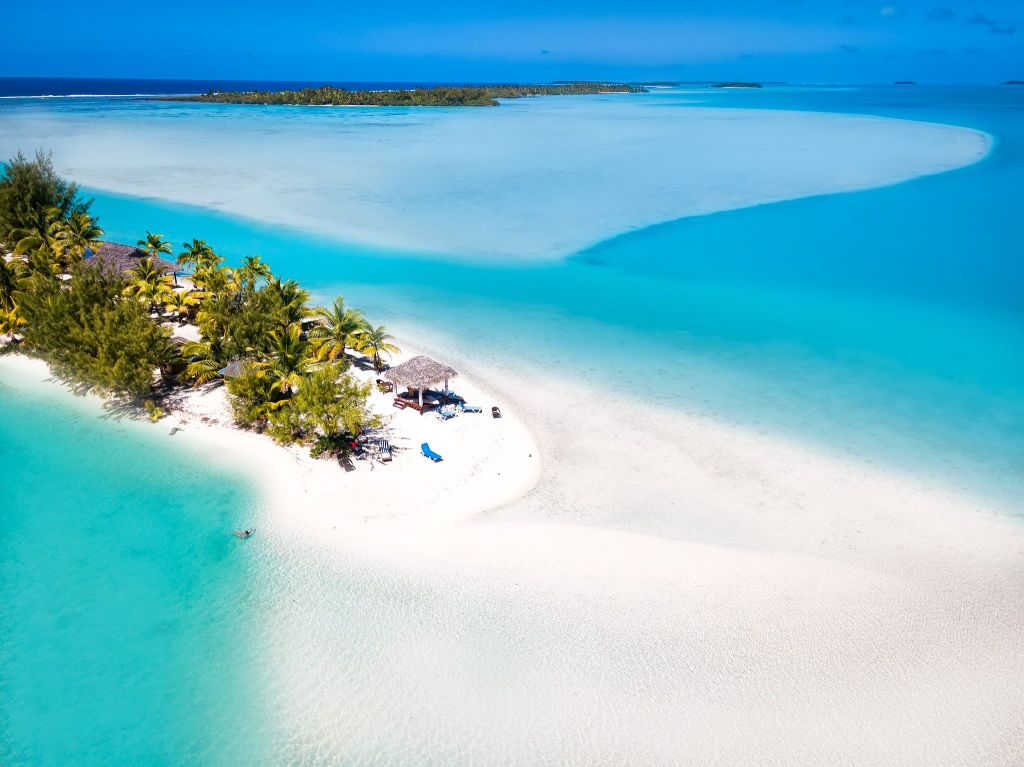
425	449
470	408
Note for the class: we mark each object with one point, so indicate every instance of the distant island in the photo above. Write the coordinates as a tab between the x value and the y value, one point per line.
904	82
444	96
736	85
1014	82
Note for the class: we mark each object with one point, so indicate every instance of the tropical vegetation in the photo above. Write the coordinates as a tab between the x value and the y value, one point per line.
285	362
444	95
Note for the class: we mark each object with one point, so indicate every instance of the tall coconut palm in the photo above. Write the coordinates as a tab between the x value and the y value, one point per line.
156	245
205	360
194	254
291	301
376	341
75	235
147	283
289	360
252	270
337	329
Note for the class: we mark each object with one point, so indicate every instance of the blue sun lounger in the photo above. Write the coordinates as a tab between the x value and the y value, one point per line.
470	408
425	449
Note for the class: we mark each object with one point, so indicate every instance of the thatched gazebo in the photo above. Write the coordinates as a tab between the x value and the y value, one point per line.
419	374
118	259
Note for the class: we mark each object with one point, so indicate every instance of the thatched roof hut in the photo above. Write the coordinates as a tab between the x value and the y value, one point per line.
120	258
420	373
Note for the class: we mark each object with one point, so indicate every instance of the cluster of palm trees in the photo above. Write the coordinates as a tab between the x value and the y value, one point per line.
340	327
244	312
49	248
297	338
60	241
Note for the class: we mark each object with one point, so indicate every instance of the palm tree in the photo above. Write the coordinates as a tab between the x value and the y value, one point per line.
376	341
156	245
252	269
74	236
289	361
205	360
214	280
170	360
11	323
195	253
39	240
338	328
182	303
147	283
291	301
12	273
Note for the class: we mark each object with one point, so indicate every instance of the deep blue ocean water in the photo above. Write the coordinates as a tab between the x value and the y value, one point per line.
886	324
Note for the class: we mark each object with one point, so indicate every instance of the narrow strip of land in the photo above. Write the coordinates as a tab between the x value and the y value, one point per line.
447	96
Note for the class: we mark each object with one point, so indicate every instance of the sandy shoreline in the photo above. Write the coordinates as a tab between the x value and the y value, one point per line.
723	581
487	462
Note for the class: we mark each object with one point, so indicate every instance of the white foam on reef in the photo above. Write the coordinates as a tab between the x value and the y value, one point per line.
531	179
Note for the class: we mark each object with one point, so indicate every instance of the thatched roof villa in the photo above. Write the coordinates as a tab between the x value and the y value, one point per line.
418	375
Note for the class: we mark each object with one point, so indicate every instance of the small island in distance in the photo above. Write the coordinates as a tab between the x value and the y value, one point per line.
1014	82
737	85
444	95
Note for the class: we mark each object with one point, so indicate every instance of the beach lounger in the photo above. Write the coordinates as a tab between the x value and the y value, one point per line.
425	449
384	450
385	386
495	412
400	403
470	408
446	412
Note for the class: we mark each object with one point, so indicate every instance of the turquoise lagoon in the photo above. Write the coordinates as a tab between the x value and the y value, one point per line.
125	599
886	325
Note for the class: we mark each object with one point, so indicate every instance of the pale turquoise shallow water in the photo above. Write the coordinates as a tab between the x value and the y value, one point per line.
127	606
887	324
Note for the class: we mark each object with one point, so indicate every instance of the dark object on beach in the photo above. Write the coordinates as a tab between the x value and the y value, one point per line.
435	457
385	386
495	412
243	534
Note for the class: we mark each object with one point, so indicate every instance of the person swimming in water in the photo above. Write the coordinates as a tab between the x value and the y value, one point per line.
242	534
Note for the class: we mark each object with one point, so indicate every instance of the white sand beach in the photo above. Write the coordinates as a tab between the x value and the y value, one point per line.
664	589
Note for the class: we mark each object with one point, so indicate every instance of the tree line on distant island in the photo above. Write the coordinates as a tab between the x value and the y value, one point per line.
112	332
443	95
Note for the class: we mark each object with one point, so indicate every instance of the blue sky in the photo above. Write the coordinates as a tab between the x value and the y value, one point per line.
794	40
